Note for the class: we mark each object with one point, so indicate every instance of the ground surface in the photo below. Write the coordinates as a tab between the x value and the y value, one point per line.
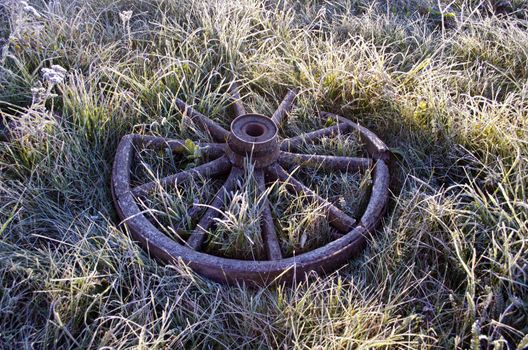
445	86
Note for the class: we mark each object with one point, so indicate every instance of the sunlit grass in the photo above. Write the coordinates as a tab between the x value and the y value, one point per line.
443	83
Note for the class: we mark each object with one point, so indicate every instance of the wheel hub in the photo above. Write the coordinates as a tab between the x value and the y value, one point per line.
253	137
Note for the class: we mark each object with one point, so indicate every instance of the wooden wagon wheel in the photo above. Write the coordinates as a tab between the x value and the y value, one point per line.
253	137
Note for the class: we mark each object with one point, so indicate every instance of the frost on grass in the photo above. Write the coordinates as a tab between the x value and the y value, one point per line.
175	210
302	222
237	229
54	75
37	117
447	270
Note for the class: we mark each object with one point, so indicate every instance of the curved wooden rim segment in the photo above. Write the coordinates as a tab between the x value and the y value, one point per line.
276	268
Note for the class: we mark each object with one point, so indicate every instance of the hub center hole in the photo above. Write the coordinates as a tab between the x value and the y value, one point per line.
255	130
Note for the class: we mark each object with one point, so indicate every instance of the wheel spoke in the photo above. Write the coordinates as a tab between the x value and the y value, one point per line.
237	101
213	150
213	168
284	107
293	143
336	217
156	142
217	132
198	235
267	226
324	162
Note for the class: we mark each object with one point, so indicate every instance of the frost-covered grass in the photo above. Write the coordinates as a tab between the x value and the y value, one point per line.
444	84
